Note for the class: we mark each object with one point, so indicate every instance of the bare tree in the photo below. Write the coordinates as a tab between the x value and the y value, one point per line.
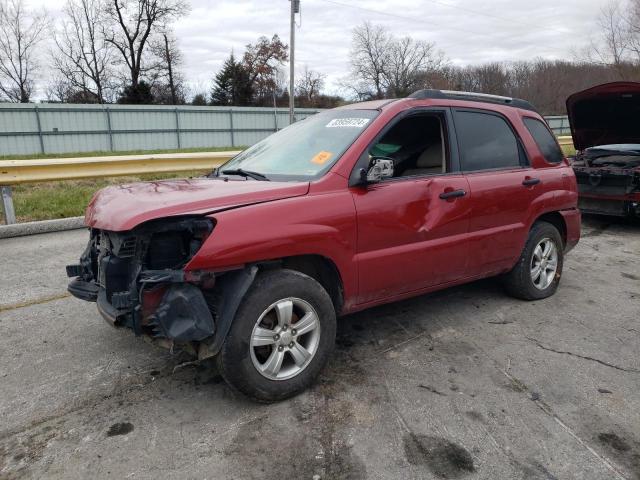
84	56
57	89
546	83
60	90
618	45
20	32
634	28
408	60
370	57
383	65
615	31
169	58
134	22
309	86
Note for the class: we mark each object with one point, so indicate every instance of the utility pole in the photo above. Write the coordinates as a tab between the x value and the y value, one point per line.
295	8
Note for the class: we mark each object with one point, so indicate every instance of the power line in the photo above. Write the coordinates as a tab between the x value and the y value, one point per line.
395	15
489	15
424	21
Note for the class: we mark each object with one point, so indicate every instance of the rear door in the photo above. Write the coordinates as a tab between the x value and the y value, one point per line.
502	184
412	228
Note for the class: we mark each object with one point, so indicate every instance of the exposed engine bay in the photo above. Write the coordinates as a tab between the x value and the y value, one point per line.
609	180
619	156
605	132
138	280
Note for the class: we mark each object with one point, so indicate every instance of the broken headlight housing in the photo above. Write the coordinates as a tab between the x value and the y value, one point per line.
171	243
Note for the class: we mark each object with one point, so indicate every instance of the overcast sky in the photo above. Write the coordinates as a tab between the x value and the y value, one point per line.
467	31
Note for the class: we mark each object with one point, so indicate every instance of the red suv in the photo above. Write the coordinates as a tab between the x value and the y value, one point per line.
351	208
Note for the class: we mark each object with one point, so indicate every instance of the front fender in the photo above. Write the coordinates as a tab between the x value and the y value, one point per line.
322	224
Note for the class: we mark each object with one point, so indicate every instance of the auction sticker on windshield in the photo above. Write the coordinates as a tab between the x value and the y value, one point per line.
348	123
321	158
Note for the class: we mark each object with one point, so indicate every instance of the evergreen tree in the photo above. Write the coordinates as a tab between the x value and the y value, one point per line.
199	99
136	94
231	85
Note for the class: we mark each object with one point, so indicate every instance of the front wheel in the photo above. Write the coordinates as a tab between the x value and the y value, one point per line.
281	337
537	273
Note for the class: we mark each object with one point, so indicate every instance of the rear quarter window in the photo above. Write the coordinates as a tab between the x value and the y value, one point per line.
544	139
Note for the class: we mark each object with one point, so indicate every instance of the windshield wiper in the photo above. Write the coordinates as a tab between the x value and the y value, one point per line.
246	173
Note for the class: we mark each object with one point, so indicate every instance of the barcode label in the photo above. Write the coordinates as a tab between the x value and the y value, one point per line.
348	123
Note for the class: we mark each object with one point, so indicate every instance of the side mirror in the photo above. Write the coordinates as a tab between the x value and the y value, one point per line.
379	169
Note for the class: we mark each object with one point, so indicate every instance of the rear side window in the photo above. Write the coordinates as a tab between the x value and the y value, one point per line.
486	142
545	140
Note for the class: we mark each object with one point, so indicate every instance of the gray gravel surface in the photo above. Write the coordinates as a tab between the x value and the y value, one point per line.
464	383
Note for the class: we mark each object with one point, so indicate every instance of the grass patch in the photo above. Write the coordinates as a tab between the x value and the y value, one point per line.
568	150
50	200
40	156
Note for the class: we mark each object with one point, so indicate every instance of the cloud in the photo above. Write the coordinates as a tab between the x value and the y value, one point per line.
467	31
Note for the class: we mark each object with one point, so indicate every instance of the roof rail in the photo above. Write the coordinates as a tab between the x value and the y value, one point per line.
473	97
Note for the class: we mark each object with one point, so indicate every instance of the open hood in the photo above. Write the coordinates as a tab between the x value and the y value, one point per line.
607	114
123	207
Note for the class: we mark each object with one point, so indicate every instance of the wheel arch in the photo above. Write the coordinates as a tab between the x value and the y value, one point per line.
235	284
324	271
557	220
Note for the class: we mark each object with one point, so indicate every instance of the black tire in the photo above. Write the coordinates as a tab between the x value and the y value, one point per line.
235	360
518	282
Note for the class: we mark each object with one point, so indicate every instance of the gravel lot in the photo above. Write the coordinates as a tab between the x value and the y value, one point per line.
465	383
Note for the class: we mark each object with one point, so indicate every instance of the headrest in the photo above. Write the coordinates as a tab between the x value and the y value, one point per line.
431	157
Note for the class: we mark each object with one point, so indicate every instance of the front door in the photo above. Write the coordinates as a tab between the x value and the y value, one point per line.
412	228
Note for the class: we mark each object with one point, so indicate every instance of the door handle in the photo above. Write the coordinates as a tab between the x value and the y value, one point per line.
528	182
452	194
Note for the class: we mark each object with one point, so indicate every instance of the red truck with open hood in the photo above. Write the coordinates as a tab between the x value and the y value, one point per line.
606	133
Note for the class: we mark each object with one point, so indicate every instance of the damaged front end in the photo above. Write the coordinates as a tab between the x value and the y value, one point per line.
138	280
604	128
609	180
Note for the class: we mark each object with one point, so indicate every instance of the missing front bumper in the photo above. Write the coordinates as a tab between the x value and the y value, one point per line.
87	291
182	315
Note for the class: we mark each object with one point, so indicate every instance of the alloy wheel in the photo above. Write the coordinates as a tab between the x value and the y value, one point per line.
285	339
544	263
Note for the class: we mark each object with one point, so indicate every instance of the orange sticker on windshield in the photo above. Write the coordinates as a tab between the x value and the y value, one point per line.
322	158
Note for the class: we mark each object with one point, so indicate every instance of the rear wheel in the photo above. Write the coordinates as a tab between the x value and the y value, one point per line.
281	337
539	268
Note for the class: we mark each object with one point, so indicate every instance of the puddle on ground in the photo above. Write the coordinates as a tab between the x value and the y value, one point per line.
625	451
120	429
630	276
443	457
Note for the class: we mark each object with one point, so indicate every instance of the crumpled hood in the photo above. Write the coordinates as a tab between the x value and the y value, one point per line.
122	207
607	114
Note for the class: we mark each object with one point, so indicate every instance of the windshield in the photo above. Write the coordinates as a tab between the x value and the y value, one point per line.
304	150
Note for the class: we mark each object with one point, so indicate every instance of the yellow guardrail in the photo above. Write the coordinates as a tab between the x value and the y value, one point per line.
565	141
14	172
